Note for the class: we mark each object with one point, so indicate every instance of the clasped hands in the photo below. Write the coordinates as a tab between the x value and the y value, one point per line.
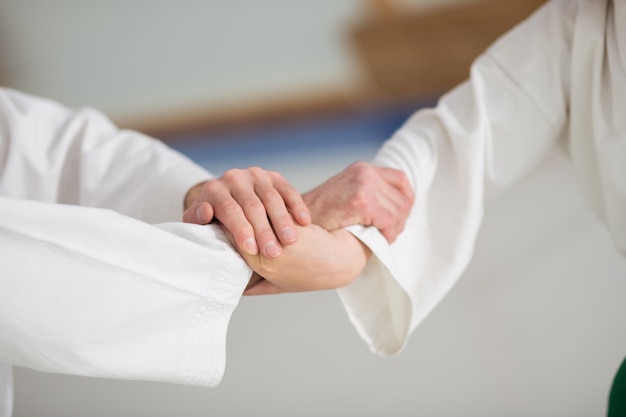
298	242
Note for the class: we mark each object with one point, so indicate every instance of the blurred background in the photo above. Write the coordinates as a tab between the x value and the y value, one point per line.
533	328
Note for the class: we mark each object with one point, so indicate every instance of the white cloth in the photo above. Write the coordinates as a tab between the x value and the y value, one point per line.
88	286
6	390
557	78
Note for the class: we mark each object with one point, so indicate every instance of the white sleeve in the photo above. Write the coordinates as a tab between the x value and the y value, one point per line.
489	132
52	153
88	291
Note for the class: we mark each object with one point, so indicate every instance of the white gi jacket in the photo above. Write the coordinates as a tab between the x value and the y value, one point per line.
89	286
559	77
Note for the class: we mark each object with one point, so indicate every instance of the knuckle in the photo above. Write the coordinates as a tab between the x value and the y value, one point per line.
272	197
359	166
243	232
276	176
227	207
291	196
255	171
281	221
360	199
365	169
366	176
230	173
252	206
264	234
212	187
233	175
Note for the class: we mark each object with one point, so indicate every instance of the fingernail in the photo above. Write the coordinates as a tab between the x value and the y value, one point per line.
250	246
200	214
305	216
289	234
272	249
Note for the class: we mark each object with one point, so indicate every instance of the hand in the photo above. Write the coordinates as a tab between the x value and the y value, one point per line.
363	194
255	205
320	260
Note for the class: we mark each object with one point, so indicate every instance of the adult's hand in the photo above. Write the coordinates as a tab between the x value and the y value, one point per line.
320	260
363	194
256	206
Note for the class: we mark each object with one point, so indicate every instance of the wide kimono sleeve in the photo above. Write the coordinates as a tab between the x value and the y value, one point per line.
88	291
52	153
100	291
487	133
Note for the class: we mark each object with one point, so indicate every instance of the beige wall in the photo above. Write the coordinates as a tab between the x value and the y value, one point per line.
140	57
143	60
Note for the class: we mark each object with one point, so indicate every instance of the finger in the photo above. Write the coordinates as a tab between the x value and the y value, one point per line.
398	214
233	218
390	233
279	217
190	215
200	212
294	202
241	186
396	201
255	212
398	180
391	215
228	211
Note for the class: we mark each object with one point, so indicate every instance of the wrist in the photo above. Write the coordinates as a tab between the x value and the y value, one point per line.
354	252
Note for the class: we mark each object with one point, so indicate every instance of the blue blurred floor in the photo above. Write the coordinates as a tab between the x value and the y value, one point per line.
305	151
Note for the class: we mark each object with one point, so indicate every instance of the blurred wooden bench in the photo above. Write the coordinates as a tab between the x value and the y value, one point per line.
407	56
409	53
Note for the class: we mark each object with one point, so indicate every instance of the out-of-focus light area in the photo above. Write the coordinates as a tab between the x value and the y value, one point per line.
262	79
163	66
534	327
140	58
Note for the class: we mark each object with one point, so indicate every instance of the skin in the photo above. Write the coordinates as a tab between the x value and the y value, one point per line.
315	256
320	260
363	194
259	207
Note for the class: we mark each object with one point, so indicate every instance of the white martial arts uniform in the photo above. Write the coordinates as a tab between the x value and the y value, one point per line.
88	286
557	78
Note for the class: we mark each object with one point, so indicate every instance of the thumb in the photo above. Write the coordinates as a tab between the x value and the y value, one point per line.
199	212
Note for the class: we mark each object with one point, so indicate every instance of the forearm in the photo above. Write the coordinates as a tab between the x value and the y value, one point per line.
320	260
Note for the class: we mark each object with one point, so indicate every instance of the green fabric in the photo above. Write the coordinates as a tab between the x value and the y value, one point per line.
617	397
